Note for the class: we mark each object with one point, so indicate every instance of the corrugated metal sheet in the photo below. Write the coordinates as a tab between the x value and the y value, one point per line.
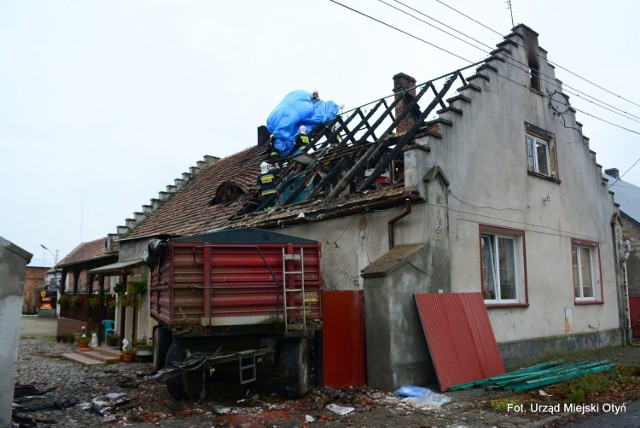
460	337
227	284
343	352
634	310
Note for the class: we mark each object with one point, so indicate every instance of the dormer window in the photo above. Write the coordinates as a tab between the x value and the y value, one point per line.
227	192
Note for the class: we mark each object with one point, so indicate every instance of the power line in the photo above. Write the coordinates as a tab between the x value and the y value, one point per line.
511	80
546	78
431	25
553	63
623	174
458	56
398	29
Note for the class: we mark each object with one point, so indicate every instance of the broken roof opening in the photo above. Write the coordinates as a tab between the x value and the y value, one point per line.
360	151
228	191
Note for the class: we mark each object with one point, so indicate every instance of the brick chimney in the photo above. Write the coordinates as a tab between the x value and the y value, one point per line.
401	83
263	135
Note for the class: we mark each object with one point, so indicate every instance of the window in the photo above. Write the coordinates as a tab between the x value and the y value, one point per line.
586	272
502	252
538	155
534	75
541	152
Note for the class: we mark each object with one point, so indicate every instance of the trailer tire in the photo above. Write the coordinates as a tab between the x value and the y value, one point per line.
161	344
294	367
184	385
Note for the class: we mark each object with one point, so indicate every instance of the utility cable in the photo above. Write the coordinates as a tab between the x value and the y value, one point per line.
553	63
400	30
623	174
451	53
544	77
433	26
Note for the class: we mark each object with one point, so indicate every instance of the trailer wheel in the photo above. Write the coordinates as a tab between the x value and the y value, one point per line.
294	367
161	344
187	384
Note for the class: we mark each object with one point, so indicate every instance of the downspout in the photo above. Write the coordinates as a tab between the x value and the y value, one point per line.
625	293
394	220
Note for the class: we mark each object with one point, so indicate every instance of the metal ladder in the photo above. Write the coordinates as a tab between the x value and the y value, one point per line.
285	284
247	362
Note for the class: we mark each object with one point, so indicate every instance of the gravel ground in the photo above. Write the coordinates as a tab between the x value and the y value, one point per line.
140	402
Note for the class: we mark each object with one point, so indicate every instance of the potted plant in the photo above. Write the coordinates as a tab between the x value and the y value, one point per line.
112	338
94	301
128	353
143	350
75	300
83	339
63	299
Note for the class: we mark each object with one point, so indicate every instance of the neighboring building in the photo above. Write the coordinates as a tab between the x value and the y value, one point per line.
480	181
34	283
627	195
84	296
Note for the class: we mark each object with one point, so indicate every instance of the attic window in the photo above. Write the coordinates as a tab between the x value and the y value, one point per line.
534	74
541	152
227	192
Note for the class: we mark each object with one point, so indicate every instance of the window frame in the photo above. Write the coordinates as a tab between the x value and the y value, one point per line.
519	264
595	265
546	139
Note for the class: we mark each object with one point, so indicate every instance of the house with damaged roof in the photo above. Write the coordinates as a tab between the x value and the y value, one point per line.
479	181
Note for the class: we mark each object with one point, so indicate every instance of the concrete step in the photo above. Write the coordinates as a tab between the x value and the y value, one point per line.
100	355
93	356
107	350
80	358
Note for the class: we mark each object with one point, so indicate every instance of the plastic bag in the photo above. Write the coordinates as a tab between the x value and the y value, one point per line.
297	108
422	397
411	391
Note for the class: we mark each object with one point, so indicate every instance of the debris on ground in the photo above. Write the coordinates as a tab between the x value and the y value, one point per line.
538	375
339	410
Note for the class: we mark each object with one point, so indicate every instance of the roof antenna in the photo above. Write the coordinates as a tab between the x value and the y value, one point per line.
511	10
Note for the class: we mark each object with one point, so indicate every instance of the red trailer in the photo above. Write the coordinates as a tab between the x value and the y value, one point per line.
240	297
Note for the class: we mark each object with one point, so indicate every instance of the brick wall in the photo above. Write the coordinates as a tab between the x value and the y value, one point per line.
33	284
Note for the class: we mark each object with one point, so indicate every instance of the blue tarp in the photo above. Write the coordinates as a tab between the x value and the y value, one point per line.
296	109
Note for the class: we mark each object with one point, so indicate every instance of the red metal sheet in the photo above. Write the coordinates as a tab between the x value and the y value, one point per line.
634	310
460	337
343	353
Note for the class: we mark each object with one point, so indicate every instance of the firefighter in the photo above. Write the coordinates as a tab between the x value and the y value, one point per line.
267	180
274	154
302	140
315	97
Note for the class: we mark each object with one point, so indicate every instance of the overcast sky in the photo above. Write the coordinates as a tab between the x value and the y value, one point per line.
104	103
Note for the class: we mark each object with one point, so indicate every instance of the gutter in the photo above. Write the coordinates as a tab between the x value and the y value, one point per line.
394	220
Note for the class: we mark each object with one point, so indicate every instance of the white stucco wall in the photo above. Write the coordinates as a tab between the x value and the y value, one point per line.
484	156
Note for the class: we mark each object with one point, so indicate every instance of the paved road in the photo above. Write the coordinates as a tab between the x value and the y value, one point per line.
35	326
628	417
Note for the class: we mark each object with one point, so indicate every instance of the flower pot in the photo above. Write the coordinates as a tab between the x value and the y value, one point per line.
144	353
83	344
128	356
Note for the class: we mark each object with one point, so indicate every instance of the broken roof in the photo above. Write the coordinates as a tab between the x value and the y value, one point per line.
355	162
